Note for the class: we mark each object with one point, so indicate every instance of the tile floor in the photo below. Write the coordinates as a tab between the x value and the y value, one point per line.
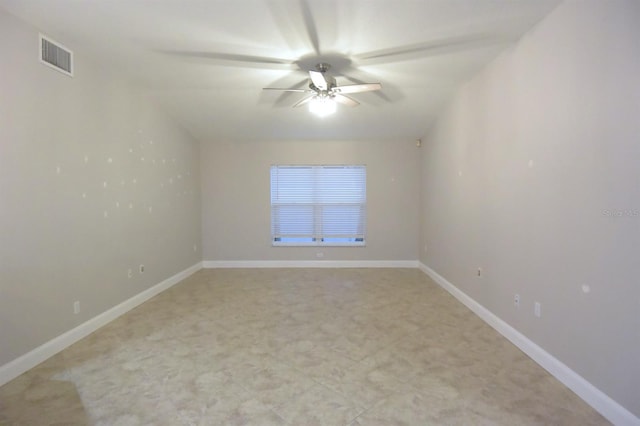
294	347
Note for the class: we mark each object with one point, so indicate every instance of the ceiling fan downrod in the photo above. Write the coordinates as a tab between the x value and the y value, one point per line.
323	67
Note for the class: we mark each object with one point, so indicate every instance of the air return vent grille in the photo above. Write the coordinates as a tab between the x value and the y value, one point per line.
56	56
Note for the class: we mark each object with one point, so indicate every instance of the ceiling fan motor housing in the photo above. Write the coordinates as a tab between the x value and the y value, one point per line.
325	88
331	84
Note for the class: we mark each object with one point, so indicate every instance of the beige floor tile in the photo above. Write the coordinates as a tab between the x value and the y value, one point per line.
294	347
319	406
275	383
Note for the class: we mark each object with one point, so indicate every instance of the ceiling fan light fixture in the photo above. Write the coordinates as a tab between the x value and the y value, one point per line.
322	106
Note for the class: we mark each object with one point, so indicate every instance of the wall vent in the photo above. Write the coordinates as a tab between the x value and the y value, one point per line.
56	56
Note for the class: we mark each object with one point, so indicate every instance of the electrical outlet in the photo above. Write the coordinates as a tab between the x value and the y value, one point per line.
76	307
479	272
537	309
516	300
141	269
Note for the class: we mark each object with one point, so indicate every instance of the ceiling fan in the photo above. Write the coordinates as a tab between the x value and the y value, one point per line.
325	92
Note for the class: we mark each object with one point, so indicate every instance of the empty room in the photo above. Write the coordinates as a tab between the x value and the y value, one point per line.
319	212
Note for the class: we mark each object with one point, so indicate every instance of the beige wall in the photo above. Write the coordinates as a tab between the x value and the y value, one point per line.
236	200
531	173
73	150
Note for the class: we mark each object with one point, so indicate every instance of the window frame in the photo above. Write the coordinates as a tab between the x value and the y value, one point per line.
315	239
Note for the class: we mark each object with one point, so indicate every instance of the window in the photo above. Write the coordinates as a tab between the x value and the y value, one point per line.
318	205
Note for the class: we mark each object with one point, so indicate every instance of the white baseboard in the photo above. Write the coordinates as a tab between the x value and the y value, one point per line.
29	360
610	409
310	264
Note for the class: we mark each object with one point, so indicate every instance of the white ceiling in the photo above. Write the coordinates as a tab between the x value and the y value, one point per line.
208	60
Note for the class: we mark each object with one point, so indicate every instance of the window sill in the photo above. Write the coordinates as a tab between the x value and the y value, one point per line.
362	244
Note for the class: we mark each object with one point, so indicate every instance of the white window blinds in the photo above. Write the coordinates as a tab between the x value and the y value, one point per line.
318	205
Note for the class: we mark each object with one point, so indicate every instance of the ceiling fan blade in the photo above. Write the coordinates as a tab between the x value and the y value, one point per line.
318	80
357	88
433	47
345	100
354	75
310	26
283	98
287	90
303	101
232	57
